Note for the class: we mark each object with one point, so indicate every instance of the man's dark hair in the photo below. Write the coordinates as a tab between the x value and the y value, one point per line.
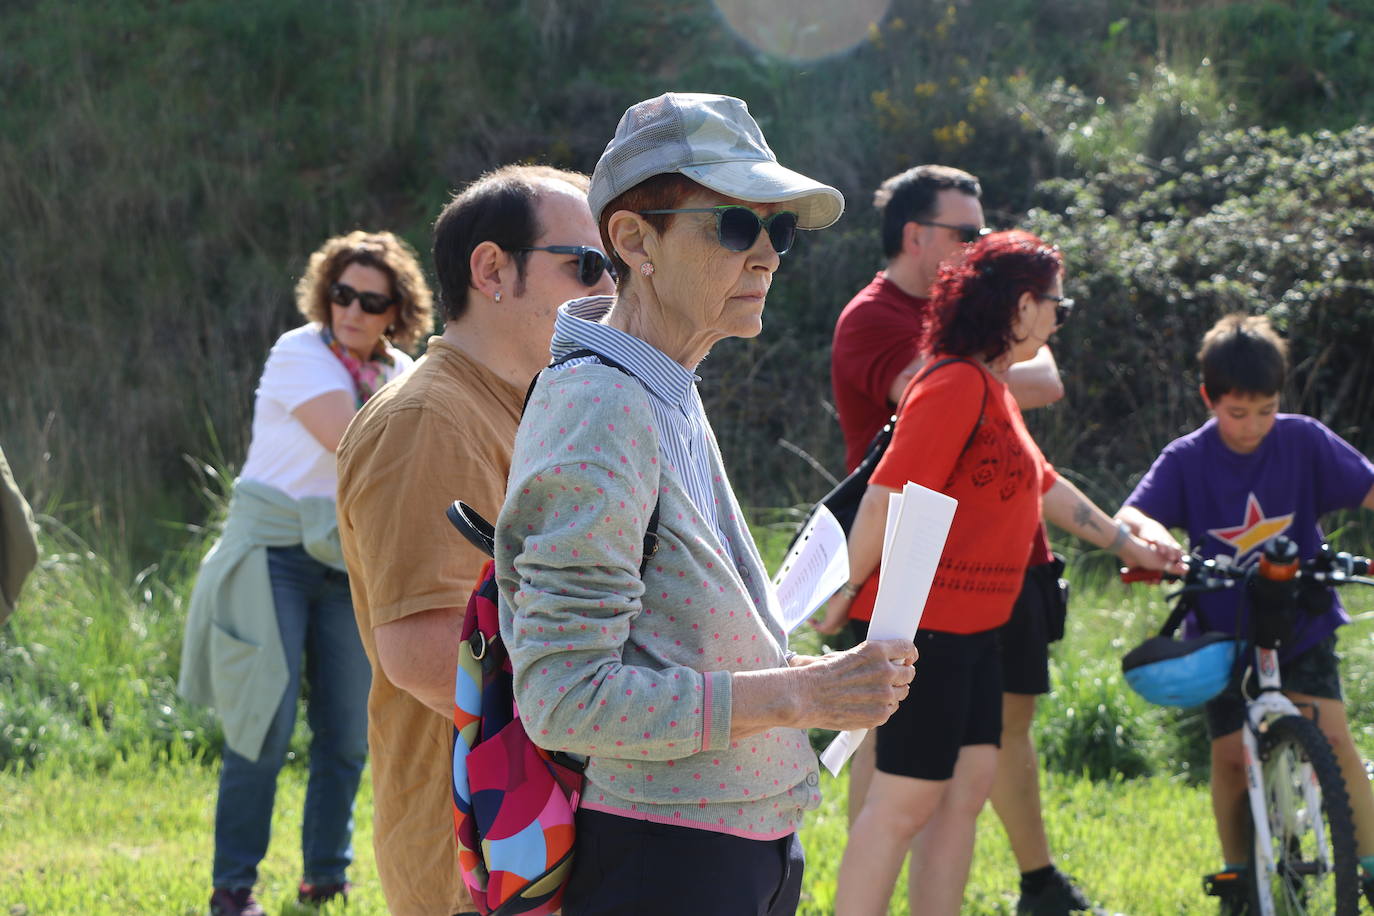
1243	354
910	197
500	207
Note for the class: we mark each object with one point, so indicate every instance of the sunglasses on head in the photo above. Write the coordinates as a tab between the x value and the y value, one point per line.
590	261
738	227
966	232
1063	308
342	295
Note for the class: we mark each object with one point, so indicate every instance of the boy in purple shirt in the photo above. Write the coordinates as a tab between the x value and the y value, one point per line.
1246	475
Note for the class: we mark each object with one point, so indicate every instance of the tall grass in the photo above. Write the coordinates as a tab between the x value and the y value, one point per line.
166	168
89	661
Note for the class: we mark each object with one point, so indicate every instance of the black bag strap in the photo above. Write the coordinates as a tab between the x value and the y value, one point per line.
924	373
1175	619
650	532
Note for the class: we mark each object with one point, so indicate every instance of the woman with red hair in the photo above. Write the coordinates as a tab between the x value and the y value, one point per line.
960	432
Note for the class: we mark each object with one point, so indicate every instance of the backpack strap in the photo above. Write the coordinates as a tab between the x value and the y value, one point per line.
651	532
982	406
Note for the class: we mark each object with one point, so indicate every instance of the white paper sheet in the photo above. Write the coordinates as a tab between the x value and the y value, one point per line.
915	540
894	511
815	567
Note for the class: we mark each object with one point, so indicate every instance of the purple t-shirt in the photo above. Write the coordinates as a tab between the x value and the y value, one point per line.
1232	504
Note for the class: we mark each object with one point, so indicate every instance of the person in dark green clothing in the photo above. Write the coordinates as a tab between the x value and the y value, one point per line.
18	541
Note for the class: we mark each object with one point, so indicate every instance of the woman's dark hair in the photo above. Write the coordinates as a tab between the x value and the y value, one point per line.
500	207
1243	354
660	192
973	304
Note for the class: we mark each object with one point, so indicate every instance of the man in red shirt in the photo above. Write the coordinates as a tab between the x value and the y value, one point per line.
929	213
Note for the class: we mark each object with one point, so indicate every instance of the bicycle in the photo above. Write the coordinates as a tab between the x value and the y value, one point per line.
1303	858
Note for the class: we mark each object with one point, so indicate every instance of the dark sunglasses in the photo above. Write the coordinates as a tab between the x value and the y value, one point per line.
1063	308
591	263
966	233
341	294
737	227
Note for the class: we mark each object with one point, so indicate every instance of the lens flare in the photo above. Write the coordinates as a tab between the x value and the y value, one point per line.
803	30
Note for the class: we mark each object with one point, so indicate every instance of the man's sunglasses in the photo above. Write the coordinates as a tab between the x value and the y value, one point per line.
1063	308
591	263
737	227
342	295
966	233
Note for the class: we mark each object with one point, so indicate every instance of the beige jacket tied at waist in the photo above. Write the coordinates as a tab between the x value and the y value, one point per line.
232	656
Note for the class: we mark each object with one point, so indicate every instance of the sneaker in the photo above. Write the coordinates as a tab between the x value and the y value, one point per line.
236	902
1058	897
319	894
1233	889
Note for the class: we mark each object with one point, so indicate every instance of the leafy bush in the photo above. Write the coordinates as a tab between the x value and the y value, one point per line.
1248	220
1090	724
230	139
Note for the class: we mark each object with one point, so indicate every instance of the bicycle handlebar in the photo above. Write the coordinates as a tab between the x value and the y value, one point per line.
1328	567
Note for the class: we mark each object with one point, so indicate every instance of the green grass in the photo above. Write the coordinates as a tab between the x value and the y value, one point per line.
107	795
137	839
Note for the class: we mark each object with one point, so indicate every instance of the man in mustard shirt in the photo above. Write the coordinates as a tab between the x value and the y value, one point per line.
508	251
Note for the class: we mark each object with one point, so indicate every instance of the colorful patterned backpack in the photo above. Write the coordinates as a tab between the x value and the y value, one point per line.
513	802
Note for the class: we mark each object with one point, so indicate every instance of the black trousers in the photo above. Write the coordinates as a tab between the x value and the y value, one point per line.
626	867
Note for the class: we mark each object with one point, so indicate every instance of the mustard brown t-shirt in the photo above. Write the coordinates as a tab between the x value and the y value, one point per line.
444	431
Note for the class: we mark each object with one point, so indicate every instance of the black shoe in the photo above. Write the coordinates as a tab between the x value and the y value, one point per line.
1058	897
320	894
236	902
1233	890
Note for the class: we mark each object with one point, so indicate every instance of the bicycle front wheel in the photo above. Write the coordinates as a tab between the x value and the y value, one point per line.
1311	829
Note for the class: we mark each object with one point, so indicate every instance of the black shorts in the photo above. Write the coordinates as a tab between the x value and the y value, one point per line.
1037	619
1316	672
955	701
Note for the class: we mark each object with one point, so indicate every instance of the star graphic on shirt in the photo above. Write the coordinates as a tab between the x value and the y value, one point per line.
1256	530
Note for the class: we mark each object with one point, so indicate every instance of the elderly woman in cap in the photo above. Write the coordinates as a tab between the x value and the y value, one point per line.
670	671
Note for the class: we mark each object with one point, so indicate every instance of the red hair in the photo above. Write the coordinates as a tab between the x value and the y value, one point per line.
973	304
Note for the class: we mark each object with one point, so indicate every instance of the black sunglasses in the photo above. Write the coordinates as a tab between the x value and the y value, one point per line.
966	233
590	261
1063	308
341	294
737	227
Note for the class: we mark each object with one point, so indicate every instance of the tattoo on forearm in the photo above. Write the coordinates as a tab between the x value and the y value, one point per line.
1083	517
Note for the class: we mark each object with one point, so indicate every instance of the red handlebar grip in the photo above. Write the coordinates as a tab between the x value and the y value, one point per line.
1148	576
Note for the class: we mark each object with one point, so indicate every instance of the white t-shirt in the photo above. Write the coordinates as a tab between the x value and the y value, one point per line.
282	453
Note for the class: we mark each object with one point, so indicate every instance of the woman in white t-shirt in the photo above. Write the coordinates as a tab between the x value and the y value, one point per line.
271	604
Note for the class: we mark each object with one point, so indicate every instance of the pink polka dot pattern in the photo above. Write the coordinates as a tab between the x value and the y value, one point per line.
636	673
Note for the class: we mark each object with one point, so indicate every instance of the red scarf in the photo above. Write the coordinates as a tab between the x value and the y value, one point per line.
367	376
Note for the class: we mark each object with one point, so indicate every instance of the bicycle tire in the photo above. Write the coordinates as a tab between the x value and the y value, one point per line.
1301	884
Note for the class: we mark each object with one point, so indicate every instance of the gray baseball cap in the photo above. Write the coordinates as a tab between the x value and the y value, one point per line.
714	141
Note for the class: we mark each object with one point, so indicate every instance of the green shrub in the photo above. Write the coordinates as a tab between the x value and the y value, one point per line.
1090	724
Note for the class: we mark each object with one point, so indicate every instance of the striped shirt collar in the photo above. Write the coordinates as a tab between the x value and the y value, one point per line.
578	326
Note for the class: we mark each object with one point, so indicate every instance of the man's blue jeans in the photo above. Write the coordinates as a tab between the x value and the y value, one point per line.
320	636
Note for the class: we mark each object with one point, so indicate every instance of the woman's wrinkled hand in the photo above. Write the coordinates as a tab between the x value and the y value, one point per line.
861	687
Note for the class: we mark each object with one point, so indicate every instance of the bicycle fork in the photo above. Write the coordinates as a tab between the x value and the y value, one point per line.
1268	705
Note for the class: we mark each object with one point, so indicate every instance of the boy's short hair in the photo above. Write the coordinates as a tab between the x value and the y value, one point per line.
1243	354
